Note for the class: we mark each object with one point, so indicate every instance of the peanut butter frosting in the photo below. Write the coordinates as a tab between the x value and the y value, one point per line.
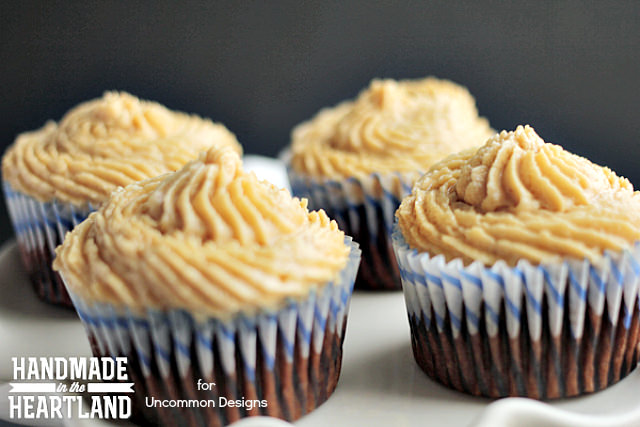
211	238
518	197
393	126
106	143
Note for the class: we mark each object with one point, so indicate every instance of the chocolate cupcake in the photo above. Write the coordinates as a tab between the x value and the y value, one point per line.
53	177
209	275
358	159
520	268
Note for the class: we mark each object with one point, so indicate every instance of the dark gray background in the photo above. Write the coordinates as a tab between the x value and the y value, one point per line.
570	69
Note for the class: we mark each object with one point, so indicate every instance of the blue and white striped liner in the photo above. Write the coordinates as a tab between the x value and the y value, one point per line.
378	195
376	192
543	331
40	227
452	288
155	332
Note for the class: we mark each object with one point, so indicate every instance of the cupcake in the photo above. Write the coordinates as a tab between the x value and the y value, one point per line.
520	268
209	275
358	159
53	177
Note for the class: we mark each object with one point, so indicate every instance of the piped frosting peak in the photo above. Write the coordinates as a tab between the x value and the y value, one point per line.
106	143
517	197
210	237
392	126
519	170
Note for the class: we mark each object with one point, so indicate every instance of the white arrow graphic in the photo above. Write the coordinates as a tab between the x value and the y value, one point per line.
110	387
32	387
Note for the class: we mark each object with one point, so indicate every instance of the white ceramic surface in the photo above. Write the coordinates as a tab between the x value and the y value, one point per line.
380	383
267	168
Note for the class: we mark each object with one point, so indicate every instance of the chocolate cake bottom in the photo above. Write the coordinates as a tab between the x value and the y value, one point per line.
378	267
547	368
290	390
47	284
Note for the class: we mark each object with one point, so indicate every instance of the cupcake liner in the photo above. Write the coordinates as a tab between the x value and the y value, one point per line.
39	228
290	358
363	208
541	331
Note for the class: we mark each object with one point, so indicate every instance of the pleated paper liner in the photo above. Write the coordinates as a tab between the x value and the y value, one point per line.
40	227
540	331
289	358
364	209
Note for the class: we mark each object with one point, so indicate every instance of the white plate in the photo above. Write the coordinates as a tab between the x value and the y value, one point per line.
380	384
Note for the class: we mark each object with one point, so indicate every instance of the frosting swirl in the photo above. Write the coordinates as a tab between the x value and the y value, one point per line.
518	197
210	237
393	126
106	143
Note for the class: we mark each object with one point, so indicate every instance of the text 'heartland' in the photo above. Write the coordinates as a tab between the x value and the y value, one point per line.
52	388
